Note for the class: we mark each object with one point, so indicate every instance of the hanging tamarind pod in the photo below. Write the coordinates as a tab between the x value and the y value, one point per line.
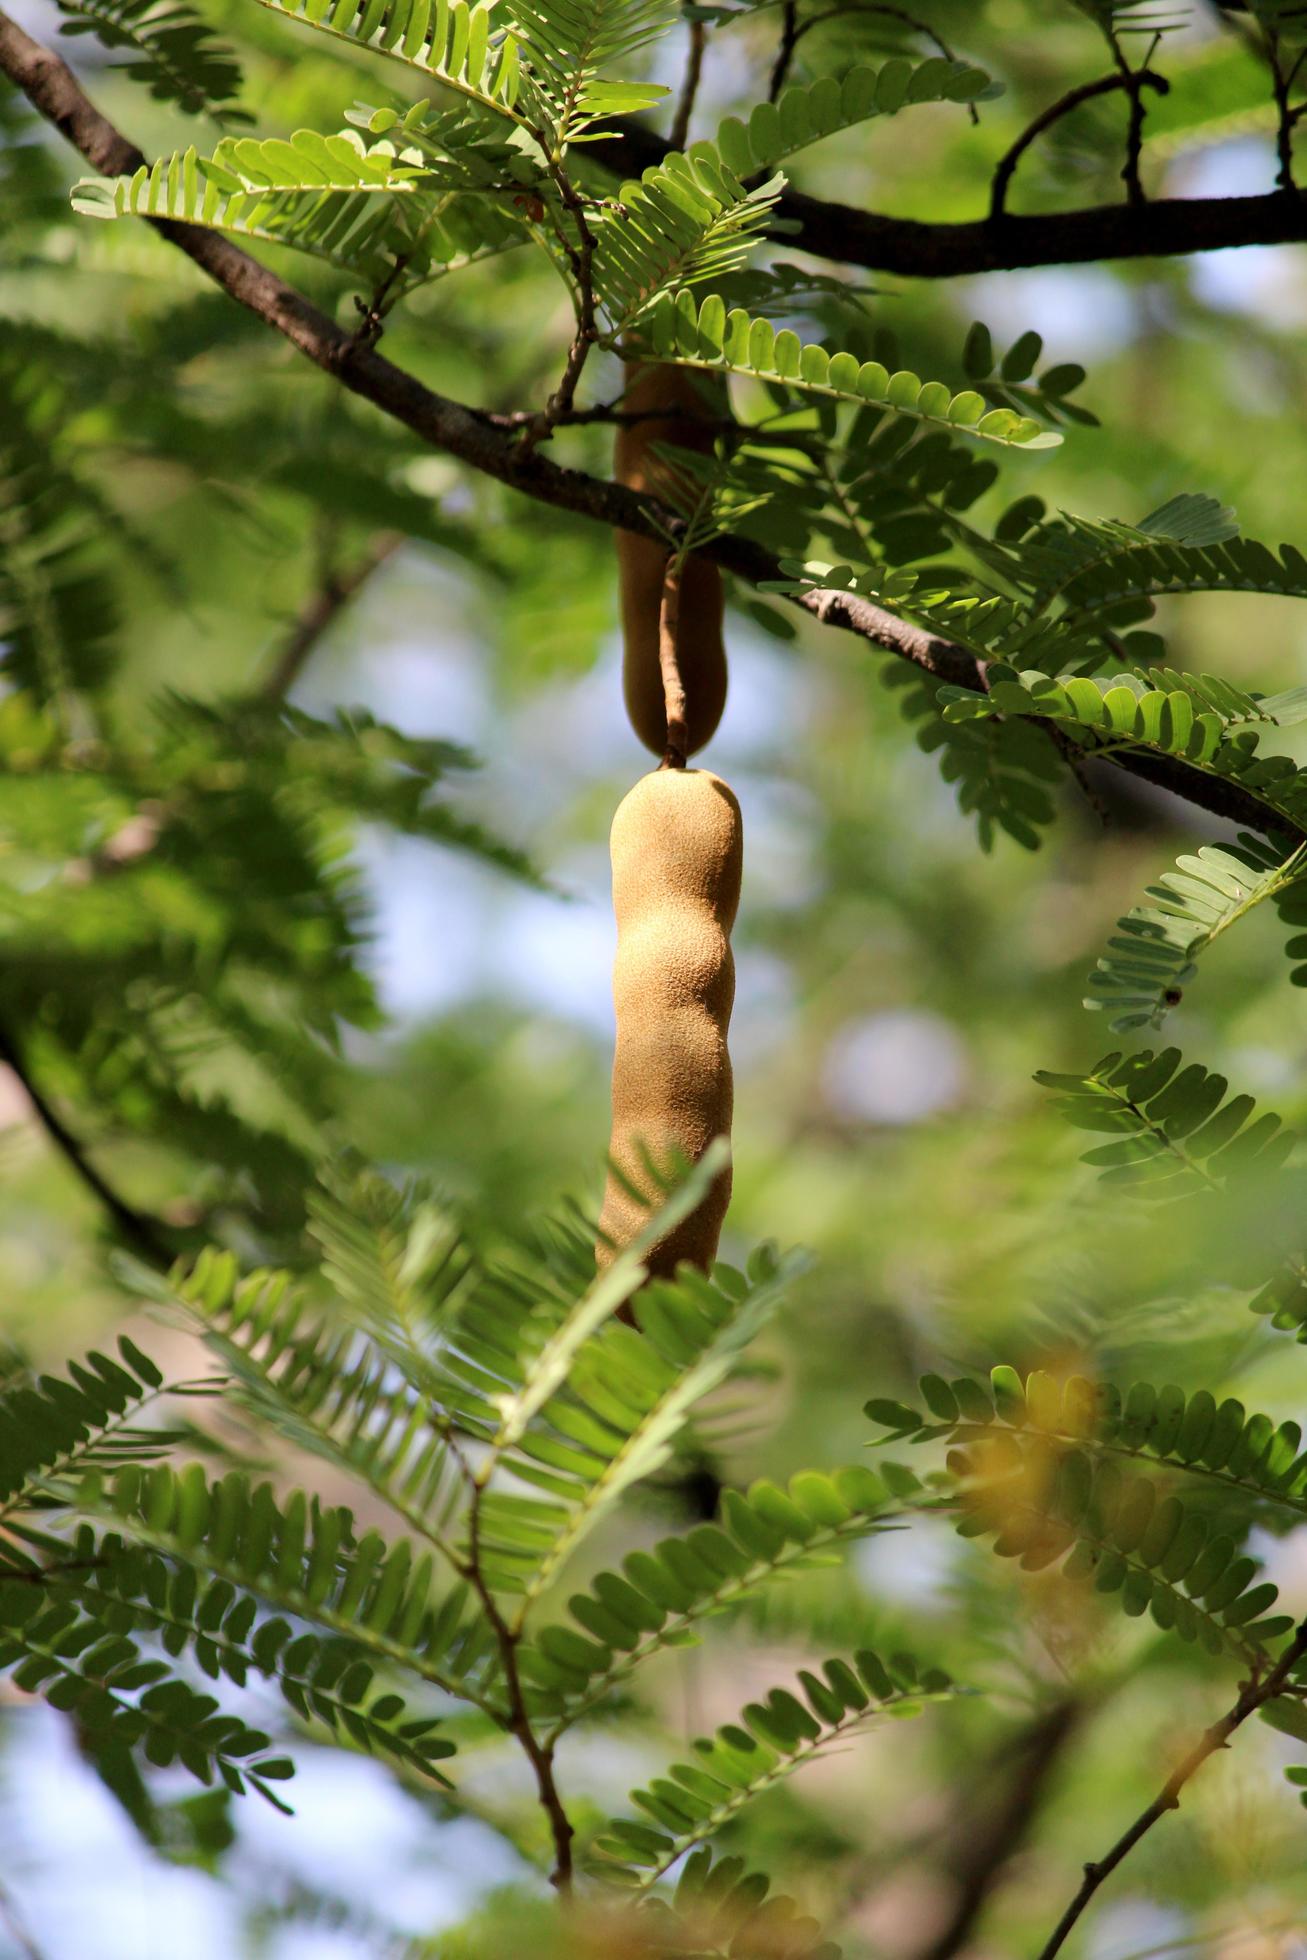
701	650
677	848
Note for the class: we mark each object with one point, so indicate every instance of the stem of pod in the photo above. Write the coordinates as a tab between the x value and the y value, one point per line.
670	667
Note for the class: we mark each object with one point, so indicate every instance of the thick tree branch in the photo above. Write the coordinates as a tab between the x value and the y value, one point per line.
1253	1695
1161	228
492	446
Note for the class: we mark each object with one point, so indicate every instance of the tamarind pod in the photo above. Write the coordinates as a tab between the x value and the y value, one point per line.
700	646
677	849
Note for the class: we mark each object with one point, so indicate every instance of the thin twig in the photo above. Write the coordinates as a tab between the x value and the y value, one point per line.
790	32
581	257
539	1754
141	1232
14	1926
1253	1695
669	613
1105	85
1282	84
680	129
336	588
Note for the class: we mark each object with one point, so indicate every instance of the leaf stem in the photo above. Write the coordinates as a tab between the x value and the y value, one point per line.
669	663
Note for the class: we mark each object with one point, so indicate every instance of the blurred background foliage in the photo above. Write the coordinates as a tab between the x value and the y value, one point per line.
237	940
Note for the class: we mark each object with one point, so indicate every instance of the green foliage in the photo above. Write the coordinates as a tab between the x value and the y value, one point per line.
1214	1442
1004	770
801	116
771	1739
326	196
123	1701
564	45
57	612
1036	1472
689	220
171	51
1150	962
438	1504
55	1427
1176	1134
449	40
706	335
661	1595
720	1907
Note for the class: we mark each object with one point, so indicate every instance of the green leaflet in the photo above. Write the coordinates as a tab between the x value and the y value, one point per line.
296	1558
449	40
58	597
359	208
660	1596
1216	1442
122	1700
1201	719
194	187
706	335
1175	1135
1151	959
1048	1507
566	44
542	74
770	1741
1038	1467
802	115
429	1350
55	1427
716	1904
614	1420
1004	771
170	50
687	221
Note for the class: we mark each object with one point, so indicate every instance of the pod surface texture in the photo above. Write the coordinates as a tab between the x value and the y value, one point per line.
677	852
700	647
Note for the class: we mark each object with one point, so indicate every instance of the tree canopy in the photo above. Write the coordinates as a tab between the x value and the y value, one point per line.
335	1475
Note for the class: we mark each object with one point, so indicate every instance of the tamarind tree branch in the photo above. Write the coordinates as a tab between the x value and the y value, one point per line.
785	48
492	445
922	249
336	588
1253	1695
1105	85
679	132
143	1235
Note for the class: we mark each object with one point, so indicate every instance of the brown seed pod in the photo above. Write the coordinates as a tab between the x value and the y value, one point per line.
701	650
677	848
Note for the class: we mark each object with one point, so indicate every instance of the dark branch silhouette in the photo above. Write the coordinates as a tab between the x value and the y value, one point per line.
137	1230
